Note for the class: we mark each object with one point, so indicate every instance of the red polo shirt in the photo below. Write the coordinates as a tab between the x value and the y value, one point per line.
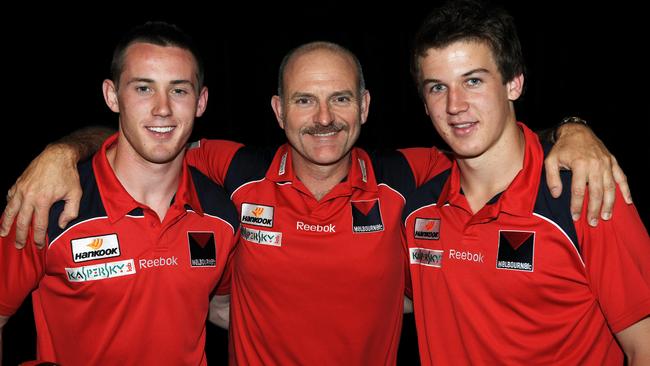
316	282
518	282
117	286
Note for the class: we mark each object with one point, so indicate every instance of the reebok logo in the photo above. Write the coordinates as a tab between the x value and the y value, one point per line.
466	256
329	228
158	262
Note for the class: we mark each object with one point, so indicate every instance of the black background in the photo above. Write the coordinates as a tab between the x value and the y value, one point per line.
582	59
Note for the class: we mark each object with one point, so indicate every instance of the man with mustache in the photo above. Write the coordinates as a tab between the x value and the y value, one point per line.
318	275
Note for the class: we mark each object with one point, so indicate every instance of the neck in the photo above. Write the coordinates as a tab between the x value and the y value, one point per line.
149	183
490	173
320	179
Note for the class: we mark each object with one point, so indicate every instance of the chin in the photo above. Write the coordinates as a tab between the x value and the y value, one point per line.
160	157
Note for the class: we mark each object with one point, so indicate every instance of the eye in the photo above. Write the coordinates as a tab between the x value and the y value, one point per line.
342	99
142	89
302	100
474	82
179	91
437	88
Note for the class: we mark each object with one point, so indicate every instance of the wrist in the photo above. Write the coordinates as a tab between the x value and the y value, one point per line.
68	151
568	123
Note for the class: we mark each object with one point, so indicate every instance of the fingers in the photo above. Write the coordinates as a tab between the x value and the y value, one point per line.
595	197
23	219
11	210
609	195
71	208
553	176
621	180
578	187
39	223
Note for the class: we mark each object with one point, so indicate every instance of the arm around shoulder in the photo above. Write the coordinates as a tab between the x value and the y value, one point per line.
50	177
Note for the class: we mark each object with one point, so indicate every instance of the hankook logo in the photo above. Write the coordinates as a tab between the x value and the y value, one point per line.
95	247
427	229
259	215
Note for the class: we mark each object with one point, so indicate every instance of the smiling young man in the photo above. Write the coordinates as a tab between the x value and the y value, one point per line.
500	272
129	281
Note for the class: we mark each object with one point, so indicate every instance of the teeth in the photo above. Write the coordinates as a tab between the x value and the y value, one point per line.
463	125
160	129
324	134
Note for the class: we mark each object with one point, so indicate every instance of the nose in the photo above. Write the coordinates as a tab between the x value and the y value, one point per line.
456	101
324	115
162	106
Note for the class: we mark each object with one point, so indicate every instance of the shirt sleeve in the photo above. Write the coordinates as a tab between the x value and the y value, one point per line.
617	260
22	269
408	287
223	287
212	157
426	163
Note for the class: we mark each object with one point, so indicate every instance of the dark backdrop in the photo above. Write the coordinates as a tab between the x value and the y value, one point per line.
582	59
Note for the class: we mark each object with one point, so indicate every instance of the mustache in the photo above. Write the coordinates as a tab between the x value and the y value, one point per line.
320	129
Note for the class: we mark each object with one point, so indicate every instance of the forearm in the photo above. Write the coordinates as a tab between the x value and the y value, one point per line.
634	341
568	125
220	311
408	305
86	141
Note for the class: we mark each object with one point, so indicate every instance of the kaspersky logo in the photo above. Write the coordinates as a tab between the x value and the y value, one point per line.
261	236
426	257
101	271
259	215
95	247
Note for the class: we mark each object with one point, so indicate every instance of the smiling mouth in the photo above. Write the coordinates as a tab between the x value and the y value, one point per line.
463	125
327	134
161	129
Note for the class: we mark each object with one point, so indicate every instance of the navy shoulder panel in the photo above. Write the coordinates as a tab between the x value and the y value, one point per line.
213	198
392	168
248	164
556	210
91	205
427	194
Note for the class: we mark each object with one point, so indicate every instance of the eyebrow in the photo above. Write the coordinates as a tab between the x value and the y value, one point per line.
335	94
146	80
480	70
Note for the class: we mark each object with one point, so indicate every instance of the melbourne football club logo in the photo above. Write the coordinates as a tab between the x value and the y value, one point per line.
516	250
366	216
203	251
427	229
259	215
